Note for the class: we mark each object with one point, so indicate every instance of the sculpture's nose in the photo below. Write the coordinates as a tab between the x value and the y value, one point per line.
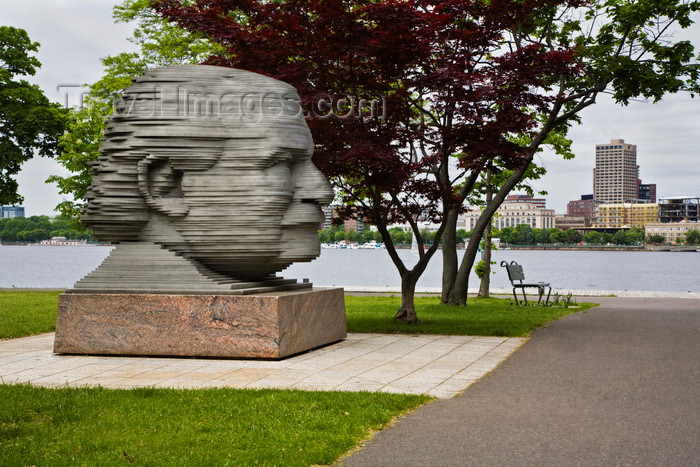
310	184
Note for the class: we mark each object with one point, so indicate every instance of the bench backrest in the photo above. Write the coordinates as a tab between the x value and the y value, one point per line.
515	271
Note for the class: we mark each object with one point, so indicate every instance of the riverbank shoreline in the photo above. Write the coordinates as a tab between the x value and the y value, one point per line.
666	248
603	248
683	248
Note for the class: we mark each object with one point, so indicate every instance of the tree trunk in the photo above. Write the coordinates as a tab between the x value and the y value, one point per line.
486	278
459	292
458	296
407	310
449	254
409	277
450	261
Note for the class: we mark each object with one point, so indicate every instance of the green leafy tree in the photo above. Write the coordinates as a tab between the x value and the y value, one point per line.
506	234
29	123
692	237
339	236
428	236
592	238
480	269
367	236
541	236
635	236
324	236
16	225
461	235
624	48
573	236
492	179
524	234
352	235
336	229
620	238
656	238
628	237
557	236
398	236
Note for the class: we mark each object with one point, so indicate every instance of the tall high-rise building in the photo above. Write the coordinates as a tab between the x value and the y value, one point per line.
616	172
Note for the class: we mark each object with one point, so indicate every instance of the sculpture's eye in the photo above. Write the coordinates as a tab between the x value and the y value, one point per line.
280	164
164	181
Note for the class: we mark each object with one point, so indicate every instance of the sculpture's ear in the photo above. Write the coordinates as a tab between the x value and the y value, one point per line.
161	185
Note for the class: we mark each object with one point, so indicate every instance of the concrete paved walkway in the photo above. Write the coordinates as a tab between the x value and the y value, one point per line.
441	366
616	385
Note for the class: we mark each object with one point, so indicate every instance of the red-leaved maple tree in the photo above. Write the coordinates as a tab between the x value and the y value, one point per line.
407	101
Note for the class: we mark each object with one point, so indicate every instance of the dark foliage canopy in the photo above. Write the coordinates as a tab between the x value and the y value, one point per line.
442	82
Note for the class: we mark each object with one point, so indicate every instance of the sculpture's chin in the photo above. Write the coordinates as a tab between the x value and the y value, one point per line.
300	243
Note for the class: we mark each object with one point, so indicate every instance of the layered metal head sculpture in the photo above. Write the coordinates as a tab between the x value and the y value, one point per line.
214	165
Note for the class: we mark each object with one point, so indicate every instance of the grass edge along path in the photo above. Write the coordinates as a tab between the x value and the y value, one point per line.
148	426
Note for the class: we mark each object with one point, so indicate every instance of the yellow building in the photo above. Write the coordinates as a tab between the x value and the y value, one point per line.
615	216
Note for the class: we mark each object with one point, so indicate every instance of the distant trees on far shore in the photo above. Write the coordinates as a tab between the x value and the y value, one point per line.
521	234
37	228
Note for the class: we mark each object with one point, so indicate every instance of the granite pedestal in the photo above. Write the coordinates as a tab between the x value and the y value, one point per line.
270	325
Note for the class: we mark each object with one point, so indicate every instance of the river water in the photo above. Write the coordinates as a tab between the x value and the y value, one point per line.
62	266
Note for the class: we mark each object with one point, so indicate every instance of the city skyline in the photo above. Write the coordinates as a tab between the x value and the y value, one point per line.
74	35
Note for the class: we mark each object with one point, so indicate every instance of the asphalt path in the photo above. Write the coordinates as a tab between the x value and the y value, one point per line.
616	385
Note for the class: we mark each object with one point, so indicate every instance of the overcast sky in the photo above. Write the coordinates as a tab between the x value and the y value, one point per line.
75	34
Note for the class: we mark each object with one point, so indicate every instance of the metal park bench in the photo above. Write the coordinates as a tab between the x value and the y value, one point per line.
517	276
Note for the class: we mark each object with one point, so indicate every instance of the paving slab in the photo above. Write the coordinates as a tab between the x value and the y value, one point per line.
440	366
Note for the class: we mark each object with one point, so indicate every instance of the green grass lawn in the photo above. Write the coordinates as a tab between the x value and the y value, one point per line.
26	313
188	427
481	316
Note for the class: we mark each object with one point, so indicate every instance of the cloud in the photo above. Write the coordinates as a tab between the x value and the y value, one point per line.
74	36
